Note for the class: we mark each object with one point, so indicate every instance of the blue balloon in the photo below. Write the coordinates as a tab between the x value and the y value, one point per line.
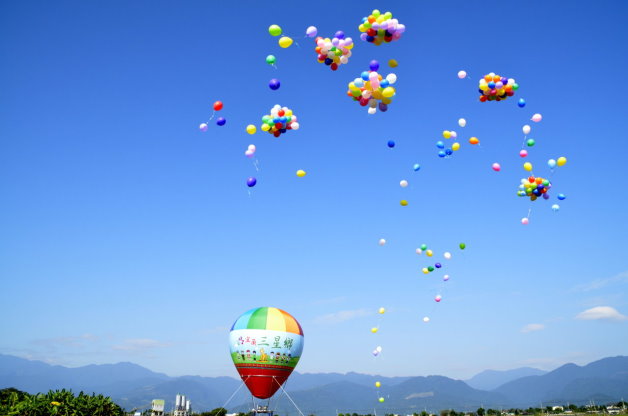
551	163
491	85
370	39
328	61
391	143
365	75
555	207
251	181
340	34
442	154
561	196
383	107
274	84
521	103
221	121
383	83
440	144
374	65
448	152
416	167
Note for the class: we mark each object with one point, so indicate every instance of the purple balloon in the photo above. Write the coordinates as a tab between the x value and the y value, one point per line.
250	182
340	34
221	121
374	65
383	107
274	84
438	265
363	36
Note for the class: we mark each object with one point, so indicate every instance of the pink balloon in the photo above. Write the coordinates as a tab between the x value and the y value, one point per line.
523	153
496	167
525	221
462	74
446	277
537	117
438	298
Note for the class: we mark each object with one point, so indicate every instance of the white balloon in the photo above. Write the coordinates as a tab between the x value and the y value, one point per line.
252	147
462	74
526	129
382	241
372	110
391	78
418	251
294	125
462	122
378	349
426	319
447	255
403	183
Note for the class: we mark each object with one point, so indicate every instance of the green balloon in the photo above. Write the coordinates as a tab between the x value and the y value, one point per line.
462	246
274	30
431	268
270	59
423	247
530	142
515	86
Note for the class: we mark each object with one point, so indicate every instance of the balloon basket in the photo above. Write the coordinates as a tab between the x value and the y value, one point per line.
261	411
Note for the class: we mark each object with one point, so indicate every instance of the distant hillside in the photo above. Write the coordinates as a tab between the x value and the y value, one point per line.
491	379
603	380
132	386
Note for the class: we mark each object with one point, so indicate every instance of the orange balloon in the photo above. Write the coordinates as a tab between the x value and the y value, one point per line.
487	78
497	78
372	19
539	181
474	140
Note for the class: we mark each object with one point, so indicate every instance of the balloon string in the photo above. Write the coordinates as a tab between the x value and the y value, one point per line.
256	164
211	118
290	398
234	393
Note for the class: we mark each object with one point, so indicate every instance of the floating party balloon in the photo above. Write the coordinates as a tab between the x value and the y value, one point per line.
382	242
523	153
393	63
375	352
429	253
555	207
301	173
525	221
446	277
378	384
203	127
334	52
270	59
496	167
530	142
526	129
251	129
430	269
221	121
391	143
252	147
274	30
249	153
446	134
425	270
374	329
497	88
378	28
373	89
561	196
403	203
462	74
551	163
462	122
447	255
311	31
251	182
534	187
440	145
561	161
462	246
218	106
403	183
416	167
381	311
521	103
274	84
527	166
280	120
438	265
438	298
455	146
537	117
418	251
285	41
381	400
474	140
426	319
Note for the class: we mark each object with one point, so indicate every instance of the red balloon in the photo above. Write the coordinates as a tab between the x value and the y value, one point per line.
281	113
334	66
218	105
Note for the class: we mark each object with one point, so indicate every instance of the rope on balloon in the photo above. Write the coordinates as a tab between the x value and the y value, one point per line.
289	398
279	398
232	396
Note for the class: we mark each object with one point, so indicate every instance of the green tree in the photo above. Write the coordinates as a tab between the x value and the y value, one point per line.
480	411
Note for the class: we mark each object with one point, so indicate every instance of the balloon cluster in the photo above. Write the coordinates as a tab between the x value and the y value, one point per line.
378	28
373	89
448	151
220	121
334	52
534	187
496	88
280	120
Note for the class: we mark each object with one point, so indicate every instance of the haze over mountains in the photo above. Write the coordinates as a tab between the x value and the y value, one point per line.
133	386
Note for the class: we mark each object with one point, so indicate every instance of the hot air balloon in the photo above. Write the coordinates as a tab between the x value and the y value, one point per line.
266	345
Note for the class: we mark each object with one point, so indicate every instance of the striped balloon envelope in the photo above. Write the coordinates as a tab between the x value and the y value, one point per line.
266	344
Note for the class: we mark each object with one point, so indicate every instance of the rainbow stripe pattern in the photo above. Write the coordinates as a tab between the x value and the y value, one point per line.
268	318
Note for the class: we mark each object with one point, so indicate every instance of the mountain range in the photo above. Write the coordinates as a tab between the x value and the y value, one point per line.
133	386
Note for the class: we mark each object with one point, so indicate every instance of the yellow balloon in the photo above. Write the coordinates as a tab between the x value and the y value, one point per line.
403	203
301	173
350	46
429	253
251	129
377	95
455	146
393	63
265	127
386	100
424	270
382	310
561	161
388	92
446	134
288	113
527	166
285	41
361	28
381	400
374	329
378	384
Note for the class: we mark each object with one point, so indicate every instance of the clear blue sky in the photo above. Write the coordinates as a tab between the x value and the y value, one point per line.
128	235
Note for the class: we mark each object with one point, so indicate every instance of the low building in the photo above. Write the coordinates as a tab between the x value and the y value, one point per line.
157	407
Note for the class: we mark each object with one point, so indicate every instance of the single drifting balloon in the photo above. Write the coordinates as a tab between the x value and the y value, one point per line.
221	121
381	400
274	84
496	88
537	117
416	167
279	121
274	30
429	253
251	129
266	344
378	28
555	207
447	255
462	246
381	311
526	129
218	106
335	51
418	251
561	197
285	41
271	59
374	330
393	63
438	298
426	319
523	153
530	142
474	140
446	277
403	183
391	143
534	187
521	103
301	173
311	31
525	221
378	384
403	203
203	127
496	167
462	122
251	182
551	163
382	242
561	161
462	75
527	166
